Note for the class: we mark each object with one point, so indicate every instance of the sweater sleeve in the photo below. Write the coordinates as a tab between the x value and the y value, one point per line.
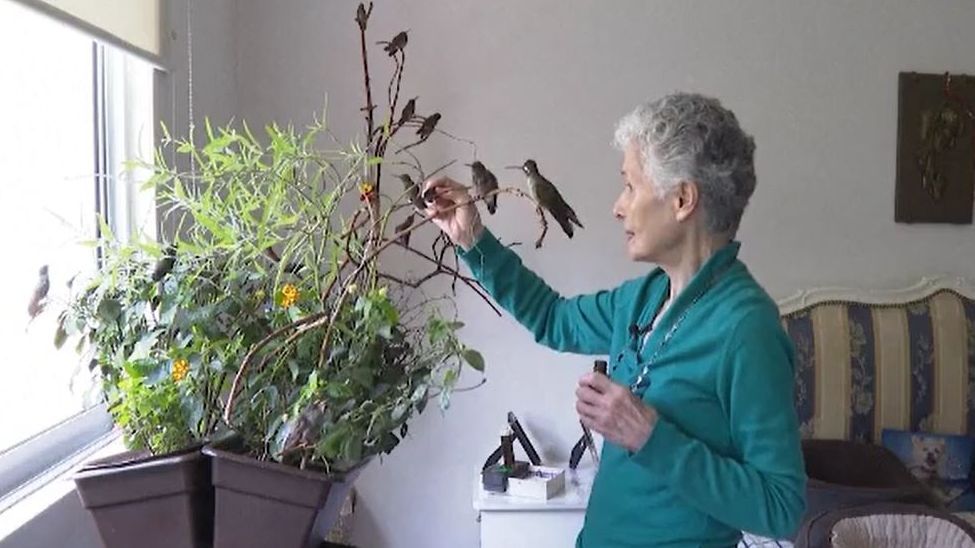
761	489
582	324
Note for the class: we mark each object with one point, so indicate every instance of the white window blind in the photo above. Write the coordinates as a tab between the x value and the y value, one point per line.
133	25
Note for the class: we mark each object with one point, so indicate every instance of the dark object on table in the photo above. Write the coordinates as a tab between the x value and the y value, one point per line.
522	438
526	443
495	477
508	449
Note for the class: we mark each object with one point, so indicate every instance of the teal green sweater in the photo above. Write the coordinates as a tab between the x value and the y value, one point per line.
725	454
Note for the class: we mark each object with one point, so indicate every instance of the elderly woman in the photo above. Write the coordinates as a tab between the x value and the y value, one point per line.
701	435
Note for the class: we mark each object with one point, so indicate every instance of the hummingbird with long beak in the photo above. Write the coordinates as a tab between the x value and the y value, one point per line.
549	198
484	183
429	124
39	297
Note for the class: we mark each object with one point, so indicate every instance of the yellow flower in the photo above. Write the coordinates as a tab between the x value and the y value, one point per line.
180	368
367	191
289	295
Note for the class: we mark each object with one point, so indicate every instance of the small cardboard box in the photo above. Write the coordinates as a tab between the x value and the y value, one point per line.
541	482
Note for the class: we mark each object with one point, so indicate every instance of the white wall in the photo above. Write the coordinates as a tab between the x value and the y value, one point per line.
815	82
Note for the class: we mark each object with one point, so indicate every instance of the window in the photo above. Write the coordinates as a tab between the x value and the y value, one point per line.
72	112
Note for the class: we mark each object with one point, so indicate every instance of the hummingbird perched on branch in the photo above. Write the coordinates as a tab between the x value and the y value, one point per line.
362	16
306	428
408	111
484	182
429	124
39	297
396	44
549	198
165	264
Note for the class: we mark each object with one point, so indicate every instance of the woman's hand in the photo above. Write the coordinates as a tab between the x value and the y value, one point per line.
462	224
613	411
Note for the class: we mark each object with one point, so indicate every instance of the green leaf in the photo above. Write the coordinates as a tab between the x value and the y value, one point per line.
338	391
400	411
334	442
352	448
60	335
106	230
419	393
109	310
473	358
159	373
449	378
144	346
363	376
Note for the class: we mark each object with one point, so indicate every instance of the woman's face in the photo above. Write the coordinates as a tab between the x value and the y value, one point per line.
650	221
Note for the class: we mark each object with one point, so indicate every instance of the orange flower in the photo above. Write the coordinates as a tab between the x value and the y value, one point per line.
180	368
289	295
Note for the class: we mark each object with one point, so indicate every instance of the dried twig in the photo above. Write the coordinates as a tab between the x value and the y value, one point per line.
365	69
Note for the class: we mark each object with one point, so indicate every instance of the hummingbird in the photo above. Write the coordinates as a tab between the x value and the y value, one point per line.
306	428
408	110
362	16
428	125
165	264
484	183
413	191
396	44
549	198
39	296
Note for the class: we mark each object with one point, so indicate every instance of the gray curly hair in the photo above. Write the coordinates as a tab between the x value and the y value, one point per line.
690	137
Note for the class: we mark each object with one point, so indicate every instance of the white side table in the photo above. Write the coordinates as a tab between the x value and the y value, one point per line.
514	521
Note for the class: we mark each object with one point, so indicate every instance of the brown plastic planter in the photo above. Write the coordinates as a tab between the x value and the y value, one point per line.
163	501
264	504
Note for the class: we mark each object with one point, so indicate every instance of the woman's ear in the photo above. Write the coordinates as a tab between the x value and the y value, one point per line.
686	198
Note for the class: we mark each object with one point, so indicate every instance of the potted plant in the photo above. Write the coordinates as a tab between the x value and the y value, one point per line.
144	326
270	298
271	328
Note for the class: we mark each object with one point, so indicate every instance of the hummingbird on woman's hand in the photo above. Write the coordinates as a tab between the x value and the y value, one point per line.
412	191
484	183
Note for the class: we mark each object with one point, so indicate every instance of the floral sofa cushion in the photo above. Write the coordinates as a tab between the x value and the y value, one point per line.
862	367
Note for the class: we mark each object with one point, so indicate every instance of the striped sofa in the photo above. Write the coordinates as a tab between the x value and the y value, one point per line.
889	359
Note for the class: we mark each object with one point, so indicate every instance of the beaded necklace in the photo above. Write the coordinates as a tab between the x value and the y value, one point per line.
642	381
